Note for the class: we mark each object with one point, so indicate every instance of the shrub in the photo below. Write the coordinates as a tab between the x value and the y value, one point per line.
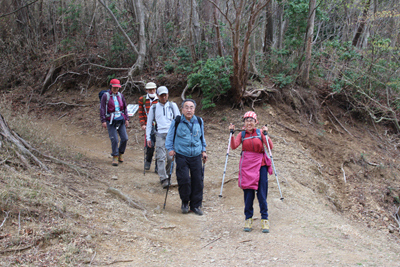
212	77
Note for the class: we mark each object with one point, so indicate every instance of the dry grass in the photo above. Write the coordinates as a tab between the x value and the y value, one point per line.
37	210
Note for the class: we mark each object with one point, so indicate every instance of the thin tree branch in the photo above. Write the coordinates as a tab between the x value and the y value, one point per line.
6	212
67	104
18	9
104	67
120	27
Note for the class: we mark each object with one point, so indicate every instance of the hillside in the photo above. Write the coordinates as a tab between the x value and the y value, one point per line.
339	180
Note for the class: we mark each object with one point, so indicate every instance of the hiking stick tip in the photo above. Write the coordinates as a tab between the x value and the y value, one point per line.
220	195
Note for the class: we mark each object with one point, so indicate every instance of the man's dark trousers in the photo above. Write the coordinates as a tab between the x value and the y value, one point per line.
189	174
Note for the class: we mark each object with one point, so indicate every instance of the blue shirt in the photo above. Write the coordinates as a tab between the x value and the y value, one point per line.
189	139
117	114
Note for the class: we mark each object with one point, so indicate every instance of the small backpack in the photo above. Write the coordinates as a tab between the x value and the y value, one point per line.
101	93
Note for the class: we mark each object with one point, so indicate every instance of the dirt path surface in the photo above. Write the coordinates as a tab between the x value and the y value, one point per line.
304	228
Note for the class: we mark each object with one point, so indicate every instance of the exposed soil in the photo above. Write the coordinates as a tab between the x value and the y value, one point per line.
335	180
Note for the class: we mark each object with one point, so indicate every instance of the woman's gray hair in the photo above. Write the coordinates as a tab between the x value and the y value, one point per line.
191	100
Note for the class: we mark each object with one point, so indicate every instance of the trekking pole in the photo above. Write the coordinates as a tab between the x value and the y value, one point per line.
204	166
144	161
169	182
273	165
226	161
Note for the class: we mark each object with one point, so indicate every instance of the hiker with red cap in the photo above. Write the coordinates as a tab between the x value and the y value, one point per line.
254	167
114	117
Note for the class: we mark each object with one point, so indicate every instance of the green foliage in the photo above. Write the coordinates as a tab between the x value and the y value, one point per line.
169	67
212	77
184	65
282	79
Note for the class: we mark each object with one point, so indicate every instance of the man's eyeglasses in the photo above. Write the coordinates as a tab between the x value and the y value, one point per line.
249	120
188	108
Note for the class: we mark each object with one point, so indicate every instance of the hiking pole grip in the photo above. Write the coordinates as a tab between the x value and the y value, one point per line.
273	165
226	161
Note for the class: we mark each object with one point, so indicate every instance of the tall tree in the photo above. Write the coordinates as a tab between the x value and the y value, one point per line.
217	31
269	28
137	5
240	43
282	24
305	70
362	23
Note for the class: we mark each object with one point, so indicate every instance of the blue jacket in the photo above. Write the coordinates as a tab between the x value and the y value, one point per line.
189	139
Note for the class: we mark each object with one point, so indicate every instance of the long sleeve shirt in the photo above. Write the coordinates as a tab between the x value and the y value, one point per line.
164	115
145	103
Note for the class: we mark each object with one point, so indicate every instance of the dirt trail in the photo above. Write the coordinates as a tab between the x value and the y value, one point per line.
305	230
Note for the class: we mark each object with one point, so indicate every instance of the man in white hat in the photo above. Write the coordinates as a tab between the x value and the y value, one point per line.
145	102
163	113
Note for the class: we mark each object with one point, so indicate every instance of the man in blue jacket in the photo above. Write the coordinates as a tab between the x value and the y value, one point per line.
188	145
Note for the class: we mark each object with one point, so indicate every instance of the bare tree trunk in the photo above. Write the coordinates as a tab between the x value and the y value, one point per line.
395	32
240	51
281	27
217	32
269	28
206	15
178	19
363	22
305	75
191	34
346	27
196	24
138	66
253	67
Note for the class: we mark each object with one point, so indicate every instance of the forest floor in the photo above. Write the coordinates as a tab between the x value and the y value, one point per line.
335	210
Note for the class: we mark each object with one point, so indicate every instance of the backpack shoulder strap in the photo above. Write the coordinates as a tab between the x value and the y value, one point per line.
154	110
259	134
243	134
258	131
177	121
200	120
171	106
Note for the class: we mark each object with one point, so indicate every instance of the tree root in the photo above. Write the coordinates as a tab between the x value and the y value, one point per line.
119	194
24	151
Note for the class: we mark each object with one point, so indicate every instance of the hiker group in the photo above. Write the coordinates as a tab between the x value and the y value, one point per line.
180	138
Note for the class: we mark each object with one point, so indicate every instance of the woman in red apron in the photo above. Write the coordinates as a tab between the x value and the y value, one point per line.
254	167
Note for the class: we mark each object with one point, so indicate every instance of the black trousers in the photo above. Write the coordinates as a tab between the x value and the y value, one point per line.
189	174
150	150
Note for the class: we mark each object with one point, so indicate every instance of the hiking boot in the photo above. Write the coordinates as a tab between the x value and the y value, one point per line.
115	161
248	224
147	165
120	158
265	226
165	183
197	211
185	207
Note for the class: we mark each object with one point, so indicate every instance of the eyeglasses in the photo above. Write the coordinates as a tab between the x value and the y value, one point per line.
188	108
249	120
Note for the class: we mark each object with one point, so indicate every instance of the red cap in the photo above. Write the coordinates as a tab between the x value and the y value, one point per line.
115	83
